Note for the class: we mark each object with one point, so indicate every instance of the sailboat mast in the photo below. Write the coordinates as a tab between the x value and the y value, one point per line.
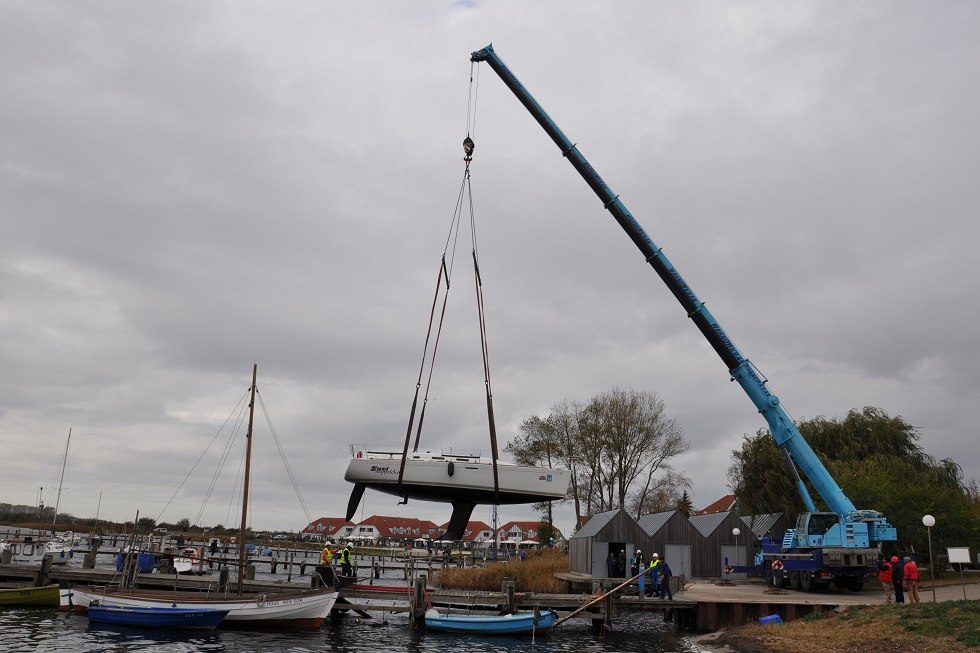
248	465
57	501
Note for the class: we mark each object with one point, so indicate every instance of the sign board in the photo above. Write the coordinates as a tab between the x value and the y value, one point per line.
959	554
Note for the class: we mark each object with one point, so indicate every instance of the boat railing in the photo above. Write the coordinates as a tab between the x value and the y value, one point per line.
446	454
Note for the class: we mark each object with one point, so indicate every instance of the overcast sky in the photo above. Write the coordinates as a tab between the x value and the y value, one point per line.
189	188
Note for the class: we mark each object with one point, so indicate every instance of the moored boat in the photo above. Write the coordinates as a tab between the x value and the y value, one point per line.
521	623
157	617
44	596
289	609
31	551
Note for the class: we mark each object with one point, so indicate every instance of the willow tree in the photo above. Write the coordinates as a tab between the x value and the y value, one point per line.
878	462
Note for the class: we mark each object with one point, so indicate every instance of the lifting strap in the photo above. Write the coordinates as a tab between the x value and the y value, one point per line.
434	333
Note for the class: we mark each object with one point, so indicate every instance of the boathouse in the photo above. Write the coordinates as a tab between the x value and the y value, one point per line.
722	548
613	533
672	536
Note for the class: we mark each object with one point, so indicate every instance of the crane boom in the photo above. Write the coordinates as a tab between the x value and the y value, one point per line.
785	432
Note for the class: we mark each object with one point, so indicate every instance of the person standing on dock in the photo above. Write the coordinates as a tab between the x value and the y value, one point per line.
654	575
345	566
637	564
665	575
326	556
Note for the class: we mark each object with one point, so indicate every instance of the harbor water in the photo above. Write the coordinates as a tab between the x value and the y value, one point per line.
48	630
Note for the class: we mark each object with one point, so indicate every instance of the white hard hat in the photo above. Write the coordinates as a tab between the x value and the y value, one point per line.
655	555
638	551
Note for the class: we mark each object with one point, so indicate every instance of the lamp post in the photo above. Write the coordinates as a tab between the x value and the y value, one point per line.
736	532
929	521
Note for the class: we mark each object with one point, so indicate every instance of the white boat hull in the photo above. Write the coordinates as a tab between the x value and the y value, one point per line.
300	609
453	479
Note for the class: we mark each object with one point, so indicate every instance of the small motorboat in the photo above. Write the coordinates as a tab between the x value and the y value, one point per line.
44	596
522	623
156	617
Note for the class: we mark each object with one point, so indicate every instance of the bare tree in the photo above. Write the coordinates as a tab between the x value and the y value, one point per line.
618	439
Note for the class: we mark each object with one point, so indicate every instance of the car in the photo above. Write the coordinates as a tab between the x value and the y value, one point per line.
281	537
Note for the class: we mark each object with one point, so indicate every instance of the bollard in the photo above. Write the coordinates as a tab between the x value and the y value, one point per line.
250	571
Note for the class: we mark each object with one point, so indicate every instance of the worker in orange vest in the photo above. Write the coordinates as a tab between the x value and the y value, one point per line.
912	579
885	576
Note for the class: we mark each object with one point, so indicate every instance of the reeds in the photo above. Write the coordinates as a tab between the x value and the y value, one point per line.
536	574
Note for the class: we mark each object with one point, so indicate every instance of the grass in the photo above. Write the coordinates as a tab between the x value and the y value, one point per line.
536	574
947	627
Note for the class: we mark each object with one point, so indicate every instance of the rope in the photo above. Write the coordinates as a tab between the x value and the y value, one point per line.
465	195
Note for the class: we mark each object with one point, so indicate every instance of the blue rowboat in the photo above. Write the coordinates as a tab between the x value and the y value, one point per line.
157	617
521	623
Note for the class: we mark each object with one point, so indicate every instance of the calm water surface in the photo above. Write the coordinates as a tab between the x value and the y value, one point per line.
24	630
49	630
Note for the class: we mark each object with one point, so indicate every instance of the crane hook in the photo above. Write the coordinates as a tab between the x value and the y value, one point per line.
468	147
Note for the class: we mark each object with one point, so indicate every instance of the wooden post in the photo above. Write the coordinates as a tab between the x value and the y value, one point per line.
43	575
88	562
608	603
418	603
222	579
249	572
510	599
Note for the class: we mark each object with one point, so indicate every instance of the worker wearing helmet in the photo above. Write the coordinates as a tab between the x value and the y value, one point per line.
654	576
346	568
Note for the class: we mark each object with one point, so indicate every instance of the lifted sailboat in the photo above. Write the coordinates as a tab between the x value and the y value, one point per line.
464	480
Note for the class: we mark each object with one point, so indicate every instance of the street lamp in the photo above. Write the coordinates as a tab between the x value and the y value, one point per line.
736	532
929	521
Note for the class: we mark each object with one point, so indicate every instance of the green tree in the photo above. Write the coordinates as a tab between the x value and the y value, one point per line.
684	504
878	462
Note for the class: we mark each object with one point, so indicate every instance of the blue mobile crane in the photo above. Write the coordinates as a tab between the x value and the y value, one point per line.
841	544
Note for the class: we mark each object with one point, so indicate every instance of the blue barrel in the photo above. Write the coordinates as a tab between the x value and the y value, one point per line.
145	562
120	559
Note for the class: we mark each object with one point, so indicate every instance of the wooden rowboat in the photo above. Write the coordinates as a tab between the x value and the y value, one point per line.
157	617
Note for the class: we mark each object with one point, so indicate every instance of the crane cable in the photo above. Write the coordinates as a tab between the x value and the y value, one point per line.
445	273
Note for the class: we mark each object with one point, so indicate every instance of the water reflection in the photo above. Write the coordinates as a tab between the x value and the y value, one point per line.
26	630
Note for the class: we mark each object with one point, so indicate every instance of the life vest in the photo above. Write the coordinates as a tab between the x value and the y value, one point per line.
325	555
345	556
885	572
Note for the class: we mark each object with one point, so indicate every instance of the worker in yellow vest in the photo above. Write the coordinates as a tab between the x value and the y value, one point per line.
654	576
345	566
